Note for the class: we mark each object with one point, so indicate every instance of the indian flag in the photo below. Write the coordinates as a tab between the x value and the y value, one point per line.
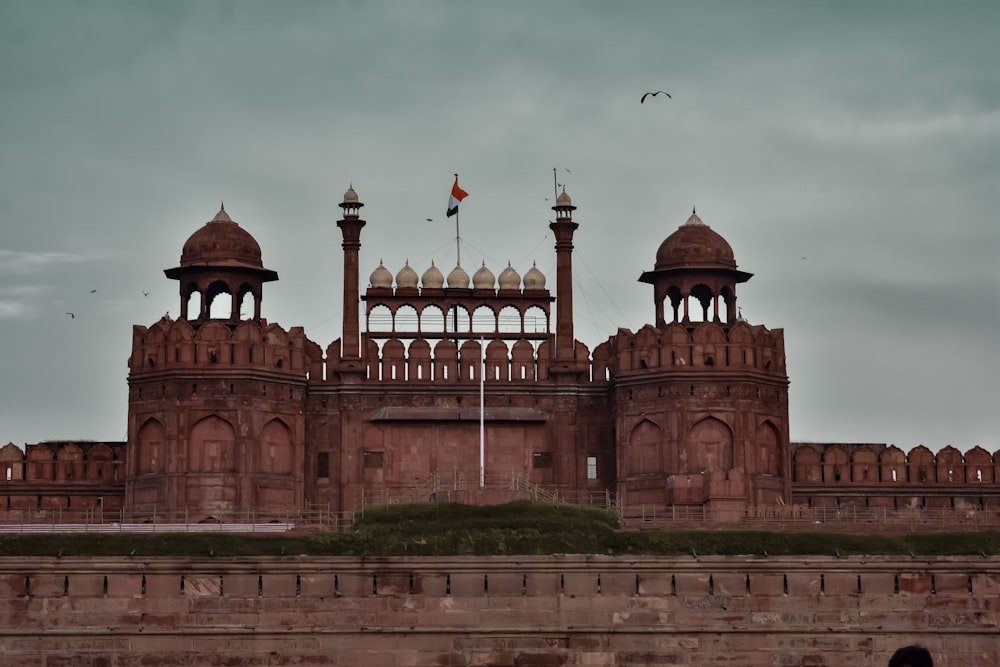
457	195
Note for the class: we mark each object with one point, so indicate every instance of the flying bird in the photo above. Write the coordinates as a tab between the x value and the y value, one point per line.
93	291
72	316
429	219
144	292
645	95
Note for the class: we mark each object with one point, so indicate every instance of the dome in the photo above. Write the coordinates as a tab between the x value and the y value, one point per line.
458	278
432	278
695	246
406	277
563	199
221	242
483	278
534	279
351	197
381	278
510	279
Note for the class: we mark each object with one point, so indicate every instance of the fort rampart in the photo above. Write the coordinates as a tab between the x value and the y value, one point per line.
459	611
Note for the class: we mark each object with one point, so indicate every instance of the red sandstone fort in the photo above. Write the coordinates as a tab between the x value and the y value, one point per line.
233	418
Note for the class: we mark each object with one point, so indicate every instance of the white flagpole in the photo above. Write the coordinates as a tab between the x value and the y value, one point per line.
482	414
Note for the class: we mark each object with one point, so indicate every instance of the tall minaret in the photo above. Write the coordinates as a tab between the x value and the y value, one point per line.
351	225
563	229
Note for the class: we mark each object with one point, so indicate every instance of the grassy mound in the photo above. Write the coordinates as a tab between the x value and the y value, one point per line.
519	528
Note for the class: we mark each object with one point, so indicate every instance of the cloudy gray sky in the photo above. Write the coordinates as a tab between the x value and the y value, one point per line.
847	150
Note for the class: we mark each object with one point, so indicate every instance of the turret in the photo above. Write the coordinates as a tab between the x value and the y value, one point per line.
221	258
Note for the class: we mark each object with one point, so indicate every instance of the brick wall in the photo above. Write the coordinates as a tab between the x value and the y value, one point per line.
561	610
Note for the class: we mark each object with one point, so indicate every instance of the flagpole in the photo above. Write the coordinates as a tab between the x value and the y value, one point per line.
482	413
458	245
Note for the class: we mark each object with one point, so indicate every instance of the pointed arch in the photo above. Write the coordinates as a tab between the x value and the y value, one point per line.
275	454
709	345
100	463
835	465
767	445
41	463
646	350
522	364
445	361
709	446
70	467
807	465
950	466
921	465
978	466
11	463
676	343
418	362
892	465
864	466
645	452
432	319
212	446
151	454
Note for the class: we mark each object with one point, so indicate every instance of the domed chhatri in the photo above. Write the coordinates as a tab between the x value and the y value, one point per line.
380	278
351	197
696	272
564	199
458	278
695	246
509	278
407	277
534	279
222	242
432	278
220	258
483	278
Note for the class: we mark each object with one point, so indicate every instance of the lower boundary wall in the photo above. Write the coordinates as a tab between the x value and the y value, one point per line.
497	611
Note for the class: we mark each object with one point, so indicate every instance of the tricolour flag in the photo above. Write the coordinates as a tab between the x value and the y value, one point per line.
457	195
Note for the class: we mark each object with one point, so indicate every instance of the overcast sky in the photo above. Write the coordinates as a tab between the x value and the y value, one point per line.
848	151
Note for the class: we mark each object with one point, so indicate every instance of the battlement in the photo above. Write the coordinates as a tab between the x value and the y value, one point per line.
445	361
869	463
62	461
176	344
702	345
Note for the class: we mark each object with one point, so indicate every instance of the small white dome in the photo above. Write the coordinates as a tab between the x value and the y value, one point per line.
484	278
406	277
380	277
509	278
432	278
350	197
534	279
458	278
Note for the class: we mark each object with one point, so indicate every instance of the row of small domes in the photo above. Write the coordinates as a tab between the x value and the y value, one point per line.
483	278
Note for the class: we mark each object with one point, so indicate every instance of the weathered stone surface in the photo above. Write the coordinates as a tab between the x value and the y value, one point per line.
262	616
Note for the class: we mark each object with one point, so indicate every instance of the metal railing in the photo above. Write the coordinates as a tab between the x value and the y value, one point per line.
153	519
834	519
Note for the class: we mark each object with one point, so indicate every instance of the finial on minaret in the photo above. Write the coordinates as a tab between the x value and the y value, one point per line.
351	204
222	205
694	210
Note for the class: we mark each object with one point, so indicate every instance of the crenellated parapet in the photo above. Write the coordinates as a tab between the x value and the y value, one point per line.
834	464
180	344
705	346
62	461
445	361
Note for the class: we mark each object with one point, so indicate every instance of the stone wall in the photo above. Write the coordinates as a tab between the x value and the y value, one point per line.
561	610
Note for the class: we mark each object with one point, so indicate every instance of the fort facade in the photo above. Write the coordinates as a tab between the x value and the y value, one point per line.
230	415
